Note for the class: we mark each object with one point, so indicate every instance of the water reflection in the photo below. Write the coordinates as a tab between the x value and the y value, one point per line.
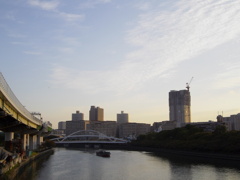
30	172
128	165
186	167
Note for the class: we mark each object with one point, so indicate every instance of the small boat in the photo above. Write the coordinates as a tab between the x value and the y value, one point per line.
103	153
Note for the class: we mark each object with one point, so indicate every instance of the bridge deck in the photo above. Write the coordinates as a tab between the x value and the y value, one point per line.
14	116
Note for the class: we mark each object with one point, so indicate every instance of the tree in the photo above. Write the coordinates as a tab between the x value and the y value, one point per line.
220	129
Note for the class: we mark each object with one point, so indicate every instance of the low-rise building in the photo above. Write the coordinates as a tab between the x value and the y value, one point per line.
73	126
226	121
164	125
232	122
209	126
62	125
133	129
235	120
108	128
58	132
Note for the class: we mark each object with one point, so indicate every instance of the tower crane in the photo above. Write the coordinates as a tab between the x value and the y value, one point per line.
188	84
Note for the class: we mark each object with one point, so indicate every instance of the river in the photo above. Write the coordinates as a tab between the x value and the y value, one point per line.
82	164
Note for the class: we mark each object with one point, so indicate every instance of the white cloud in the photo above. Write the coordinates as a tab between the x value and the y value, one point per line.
10	16
163	39
67	50
52	6
229	77
16	35
19	43
143	6
45	5
71	17
32	53
93	3
166	38
83	80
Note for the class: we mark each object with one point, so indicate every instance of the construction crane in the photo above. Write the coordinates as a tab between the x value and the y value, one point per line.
188	84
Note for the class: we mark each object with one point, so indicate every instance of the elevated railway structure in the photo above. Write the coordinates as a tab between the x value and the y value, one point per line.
16	119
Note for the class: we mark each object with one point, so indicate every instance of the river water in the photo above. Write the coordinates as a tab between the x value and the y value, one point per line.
81	164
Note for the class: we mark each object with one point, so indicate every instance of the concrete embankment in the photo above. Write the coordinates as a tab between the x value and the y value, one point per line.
32	162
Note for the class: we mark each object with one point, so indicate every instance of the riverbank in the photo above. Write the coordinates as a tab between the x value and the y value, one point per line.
20	167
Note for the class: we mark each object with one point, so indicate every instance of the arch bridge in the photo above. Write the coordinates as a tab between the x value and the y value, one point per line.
87	137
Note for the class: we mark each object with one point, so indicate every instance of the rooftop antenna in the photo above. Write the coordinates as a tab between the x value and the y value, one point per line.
188	84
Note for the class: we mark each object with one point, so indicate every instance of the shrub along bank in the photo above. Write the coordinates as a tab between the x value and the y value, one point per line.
192	138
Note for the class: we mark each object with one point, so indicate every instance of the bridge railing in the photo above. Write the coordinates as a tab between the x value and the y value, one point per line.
6	90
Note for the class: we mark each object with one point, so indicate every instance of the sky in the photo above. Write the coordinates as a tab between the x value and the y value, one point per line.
61	56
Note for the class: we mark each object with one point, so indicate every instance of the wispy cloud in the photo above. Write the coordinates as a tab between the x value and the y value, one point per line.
93	3
32	53
71	17
166	38
86	81
163	39
229	77
53	7
16	35
11	16
45	5
66	50
143	5
19	43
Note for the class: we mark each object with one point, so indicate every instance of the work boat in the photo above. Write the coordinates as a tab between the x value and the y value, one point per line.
103	153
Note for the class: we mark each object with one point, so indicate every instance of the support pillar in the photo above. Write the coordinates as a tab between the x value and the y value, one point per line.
32	142
39	140
26	142
9	136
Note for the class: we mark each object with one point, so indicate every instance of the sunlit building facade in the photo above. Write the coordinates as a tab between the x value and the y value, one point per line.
77	116
96	114
122	118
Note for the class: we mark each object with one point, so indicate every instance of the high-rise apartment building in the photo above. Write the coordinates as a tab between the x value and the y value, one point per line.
77	116
179	107
122	118
96	114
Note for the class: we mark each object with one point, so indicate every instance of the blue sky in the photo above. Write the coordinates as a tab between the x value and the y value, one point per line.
61	56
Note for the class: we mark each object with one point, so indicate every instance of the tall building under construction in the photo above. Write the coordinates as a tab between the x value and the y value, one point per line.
180	107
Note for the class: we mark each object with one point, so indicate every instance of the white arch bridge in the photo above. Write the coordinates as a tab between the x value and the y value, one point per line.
85	138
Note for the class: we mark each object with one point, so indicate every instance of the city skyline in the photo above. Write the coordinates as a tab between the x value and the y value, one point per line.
58	57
